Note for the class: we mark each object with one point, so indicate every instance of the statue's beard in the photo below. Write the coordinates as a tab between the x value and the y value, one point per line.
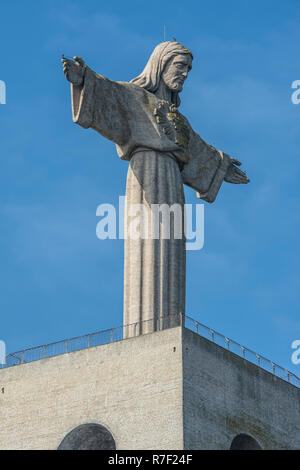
176	85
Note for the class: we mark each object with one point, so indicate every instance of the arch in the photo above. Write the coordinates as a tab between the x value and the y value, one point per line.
88	437
244	442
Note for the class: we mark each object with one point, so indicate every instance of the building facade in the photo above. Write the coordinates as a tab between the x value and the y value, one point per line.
171	389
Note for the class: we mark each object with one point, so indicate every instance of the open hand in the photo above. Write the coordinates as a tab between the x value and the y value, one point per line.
74	70
234	175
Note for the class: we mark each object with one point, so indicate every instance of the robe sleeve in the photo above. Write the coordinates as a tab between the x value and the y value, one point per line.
102	105
206	168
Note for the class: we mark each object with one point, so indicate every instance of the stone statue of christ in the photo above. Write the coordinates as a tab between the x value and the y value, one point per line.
164	152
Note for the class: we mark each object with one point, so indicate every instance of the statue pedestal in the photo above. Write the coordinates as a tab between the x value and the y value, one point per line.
171	389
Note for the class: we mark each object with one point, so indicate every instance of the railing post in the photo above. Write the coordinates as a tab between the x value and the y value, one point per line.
258	359
160	322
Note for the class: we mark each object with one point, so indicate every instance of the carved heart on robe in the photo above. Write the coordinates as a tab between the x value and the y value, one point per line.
173	125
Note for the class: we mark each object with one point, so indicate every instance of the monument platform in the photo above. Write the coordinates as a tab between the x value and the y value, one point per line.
171	389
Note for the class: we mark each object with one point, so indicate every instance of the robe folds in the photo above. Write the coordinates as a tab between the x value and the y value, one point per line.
164	152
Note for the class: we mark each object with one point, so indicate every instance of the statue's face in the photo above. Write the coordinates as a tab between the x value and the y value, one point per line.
176	71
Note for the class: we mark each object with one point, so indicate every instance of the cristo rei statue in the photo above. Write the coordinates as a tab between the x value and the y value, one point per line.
164	152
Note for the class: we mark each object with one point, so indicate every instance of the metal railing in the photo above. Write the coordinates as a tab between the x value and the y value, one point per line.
241	351
63	347
91	340
148	326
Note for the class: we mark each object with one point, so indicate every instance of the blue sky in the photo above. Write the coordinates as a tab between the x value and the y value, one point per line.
57	279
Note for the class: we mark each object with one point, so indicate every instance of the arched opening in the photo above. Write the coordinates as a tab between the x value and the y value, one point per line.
88	437
244	442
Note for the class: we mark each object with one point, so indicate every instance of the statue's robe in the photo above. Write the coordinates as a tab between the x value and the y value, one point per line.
164	152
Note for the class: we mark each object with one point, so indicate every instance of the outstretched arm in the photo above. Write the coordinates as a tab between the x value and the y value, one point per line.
74	70
234	175
97	102
208	168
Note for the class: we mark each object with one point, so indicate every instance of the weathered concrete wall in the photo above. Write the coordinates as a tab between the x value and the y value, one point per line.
166	390
133	388
223	396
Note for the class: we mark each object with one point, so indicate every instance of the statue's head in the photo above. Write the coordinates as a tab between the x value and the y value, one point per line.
170	62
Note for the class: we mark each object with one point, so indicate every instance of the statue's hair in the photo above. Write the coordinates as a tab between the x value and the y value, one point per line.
151	75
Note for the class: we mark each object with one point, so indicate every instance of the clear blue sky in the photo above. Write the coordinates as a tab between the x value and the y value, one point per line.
57	279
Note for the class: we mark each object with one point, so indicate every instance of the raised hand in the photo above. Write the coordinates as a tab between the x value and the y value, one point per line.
234	175
74	70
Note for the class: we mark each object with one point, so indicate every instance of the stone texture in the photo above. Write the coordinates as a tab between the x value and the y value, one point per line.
133	388
167	390
143	119
154	272
224	396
